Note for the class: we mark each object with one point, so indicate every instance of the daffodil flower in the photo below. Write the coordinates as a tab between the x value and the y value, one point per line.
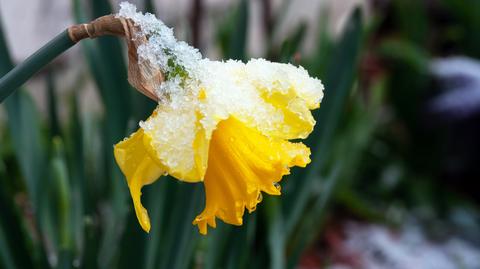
226	124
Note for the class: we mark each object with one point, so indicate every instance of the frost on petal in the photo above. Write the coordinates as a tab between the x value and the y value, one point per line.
280	78
274	98
178	141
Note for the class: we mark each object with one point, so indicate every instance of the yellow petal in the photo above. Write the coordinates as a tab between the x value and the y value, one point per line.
178	141
242	164
139	168
298	121
273	98
291	91
276	77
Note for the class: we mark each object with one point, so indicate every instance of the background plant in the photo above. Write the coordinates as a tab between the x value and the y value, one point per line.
64	203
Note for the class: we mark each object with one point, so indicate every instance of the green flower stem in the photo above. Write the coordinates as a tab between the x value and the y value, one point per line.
106	25
22	72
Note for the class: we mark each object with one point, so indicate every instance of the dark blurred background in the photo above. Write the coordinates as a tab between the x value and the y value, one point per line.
393	181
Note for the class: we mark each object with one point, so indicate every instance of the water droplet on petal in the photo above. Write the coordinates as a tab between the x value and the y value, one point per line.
277	185
259	197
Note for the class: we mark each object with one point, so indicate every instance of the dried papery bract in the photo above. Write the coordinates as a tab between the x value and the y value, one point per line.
141	74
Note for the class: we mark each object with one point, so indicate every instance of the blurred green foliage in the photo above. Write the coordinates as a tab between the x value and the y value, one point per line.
64	202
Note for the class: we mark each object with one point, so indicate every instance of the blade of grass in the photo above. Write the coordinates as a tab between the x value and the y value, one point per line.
29	148
323	54
298	244
467	13
150	7
346	156
216	245
108	67
54	127
181	236
276	232
6	258
405	52
238	39
240	244
75	155
24	129
412	20
12	229
291	45
158	205
338	83
232	35
63	197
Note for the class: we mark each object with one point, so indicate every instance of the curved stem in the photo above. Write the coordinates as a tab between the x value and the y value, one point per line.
22	72
106	25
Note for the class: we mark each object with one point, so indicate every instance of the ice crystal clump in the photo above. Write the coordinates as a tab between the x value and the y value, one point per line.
198	93
175	58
